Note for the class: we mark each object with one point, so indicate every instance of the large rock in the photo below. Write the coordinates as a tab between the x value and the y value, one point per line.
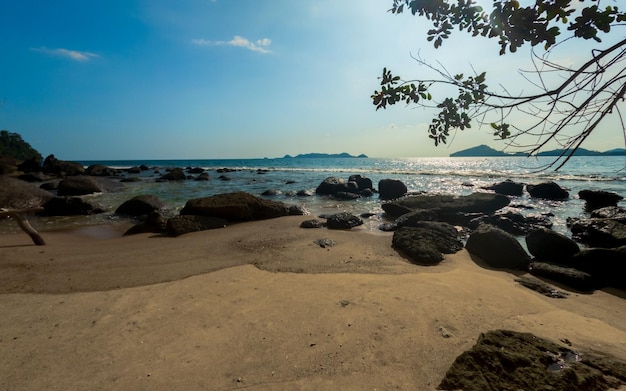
596	199
548	191
79	185
331	185
426	243
71	206
507	187
497	248
343	220
549	246
175	174
179	225
30	165
17	194
154	223
512	222
239	206
607	266
599	232
512	361
445	204
141	205
573	278
610	212
362	182
100	170
391	189
52	165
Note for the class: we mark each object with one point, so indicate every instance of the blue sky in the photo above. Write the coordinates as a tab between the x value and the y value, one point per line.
159	79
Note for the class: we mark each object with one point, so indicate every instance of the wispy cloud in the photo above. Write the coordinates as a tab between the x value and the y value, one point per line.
261	45
66	53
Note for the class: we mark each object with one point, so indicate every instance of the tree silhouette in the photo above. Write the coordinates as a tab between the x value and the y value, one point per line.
568	103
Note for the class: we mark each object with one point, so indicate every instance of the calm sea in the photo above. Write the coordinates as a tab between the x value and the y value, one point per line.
458	176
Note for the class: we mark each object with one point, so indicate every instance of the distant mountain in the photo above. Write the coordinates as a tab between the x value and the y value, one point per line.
480	150
486	151
325	155
578	152
615	152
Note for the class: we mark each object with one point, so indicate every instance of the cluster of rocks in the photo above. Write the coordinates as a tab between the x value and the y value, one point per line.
205	213
358	186
424	230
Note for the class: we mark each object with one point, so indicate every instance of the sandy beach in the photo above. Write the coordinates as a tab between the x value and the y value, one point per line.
261	306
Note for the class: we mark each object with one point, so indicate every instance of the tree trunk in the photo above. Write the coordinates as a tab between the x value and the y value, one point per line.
24	224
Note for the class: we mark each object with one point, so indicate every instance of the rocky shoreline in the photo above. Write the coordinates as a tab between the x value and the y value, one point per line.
425	228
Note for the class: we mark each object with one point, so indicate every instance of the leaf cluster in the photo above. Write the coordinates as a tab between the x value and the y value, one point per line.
511	23
12	144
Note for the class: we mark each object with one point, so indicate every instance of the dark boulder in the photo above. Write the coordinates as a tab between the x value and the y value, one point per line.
607	266
202	177
363	183
511	361
391	189
30	165
507	187
598	232
71	206
343	220
52	165
610	212
17	194
271	192
512	222
154	223
414	218
548	191
304	193
573	278
182	224
549	246
448	205
497	248
100	170
239	206
331	185
79	185
297	210
426	243
141	205
134	170
346	196
34	177
194	170
314	223
596	199
175	174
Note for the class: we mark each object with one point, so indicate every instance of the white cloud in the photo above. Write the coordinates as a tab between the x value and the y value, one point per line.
261	45
66	53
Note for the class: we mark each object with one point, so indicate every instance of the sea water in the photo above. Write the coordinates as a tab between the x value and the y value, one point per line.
458	176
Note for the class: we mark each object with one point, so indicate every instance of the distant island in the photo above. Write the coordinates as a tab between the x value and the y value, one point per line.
325	155
486	151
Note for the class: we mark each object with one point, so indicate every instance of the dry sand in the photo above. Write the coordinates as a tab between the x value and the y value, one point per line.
260	306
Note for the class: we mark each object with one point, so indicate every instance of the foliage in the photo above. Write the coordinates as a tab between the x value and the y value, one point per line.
582	98
11	144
